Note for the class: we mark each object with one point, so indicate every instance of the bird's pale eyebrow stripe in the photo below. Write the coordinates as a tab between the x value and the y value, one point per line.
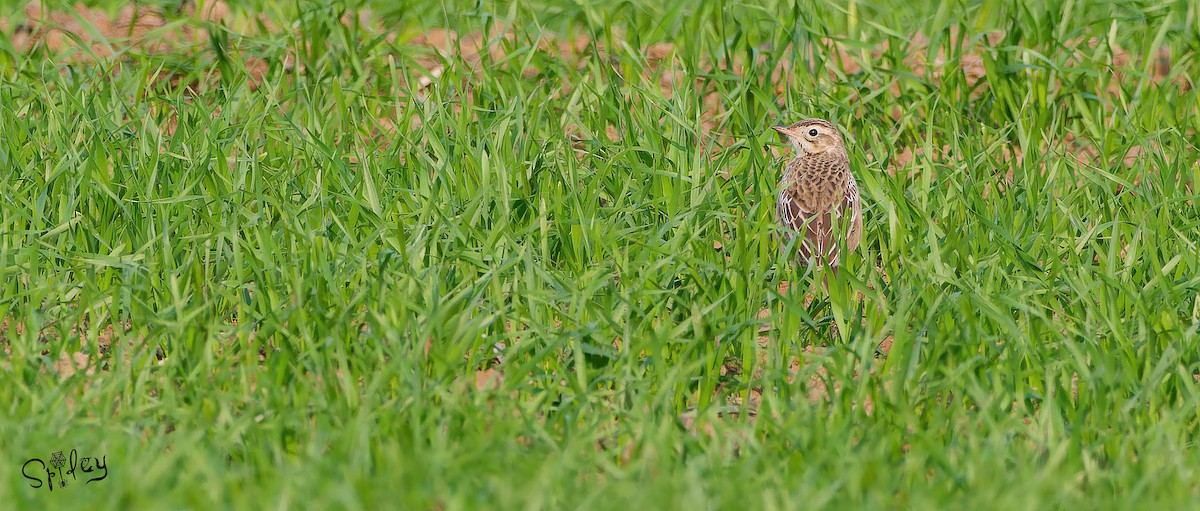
813	121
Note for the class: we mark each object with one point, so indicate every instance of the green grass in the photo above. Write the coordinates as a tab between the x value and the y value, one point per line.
284	259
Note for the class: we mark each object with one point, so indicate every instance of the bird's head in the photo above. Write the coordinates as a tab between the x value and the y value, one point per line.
812	136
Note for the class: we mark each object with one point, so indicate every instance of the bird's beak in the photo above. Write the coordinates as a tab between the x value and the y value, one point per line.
784	134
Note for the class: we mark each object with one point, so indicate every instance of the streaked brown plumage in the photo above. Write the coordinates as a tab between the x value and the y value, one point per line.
818	192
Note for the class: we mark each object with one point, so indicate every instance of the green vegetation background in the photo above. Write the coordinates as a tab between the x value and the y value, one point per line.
268	266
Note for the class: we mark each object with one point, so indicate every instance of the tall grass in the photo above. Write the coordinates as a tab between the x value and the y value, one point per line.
286	260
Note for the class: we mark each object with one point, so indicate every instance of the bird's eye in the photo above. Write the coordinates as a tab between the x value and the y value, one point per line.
812	132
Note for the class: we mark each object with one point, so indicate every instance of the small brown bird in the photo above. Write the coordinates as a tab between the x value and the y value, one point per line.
818	191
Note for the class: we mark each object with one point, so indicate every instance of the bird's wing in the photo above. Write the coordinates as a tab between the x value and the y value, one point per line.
816	226
854	206
817	209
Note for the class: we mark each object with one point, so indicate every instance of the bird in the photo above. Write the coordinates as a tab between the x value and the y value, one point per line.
817	193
